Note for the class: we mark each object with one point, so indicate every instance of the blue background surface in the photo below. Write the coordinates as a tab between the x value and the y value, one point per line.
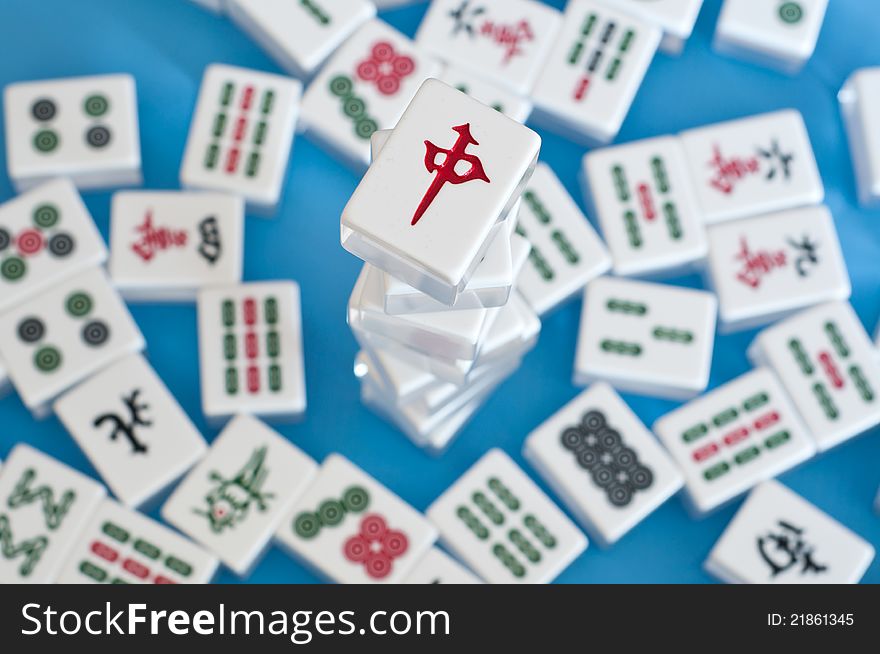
166	44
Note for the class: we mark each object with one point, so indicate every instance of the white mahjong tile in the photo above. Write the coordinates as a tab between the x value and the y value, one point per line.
457	168
752	165
511	104
165	246
251	350
594	71
58	338
437	567
44	506
132	429
778	537
603	463
398	378
566	252
365	86
646	338
300	35
646	206
734	437
4	380
241	134
676	17
352	530
504	41
828	365
46	235
860	106
765	267
236	497
83	128
502	526
122	546
777	33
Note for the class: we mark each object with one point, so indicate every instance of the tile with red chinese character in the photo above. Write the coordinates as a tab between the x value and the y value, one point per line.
829	367
766	267
241	135
350	529
122	546
365	86
457	169
504	41
509	103
675	17
753	165
437	567
593	72
165	246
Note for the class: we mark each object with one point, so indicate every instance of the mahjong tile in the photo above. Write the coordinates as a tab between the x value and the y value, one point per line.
602	462
829	367
60	337
83	128
457	168
44	505
132	430
499	98
777	33
46	235
365	86
504	41
352	530
765	267
752	165
300	35
860	104
777	537
566	252
646	206
251	350
4	380
734	437
499	523
165	246
121	546
675	17
646	338
437	567
398	378
593	71
241	134
236	497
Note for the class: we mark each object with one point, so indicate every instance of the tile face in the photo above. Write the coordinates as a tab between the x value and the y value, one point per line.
753	165
777	537
166	246
352	530
439	568
566	251
778	33
300	35
121	546
735	437
457	168
603	463
234	500
594	71
251	350
132	430
829	368
44	505
504	41
46	235
645	338
496	520
646	206
241	134
83	128
860	104
364	87
675	17
59	338
764	267
511	104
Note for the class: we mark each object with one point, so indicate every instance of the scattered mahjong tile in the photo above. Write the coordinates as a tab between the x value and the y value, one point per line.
675	17
437	567
511	104
860	104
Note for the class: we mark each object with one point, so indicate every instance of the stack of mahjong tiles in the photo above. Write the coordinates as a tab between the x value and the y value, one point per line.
435	309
